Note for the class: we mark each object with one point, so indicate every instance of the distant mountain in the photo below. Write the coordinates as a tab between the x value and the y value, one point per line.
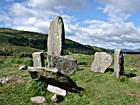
23	43
128	51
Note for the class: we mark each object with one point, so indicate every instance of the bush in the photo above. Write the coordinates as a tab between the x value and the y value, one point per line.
14	61
1	62
123	78
36	88
82	63
29	62
37	85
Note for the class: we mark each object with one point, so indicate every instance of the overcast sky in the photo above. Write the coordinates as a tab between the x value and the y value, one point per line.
104	23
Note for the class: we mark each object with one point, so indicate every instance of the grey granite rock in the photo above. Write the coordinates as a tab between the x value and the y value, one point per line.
56	37
65	64
38	59
101	62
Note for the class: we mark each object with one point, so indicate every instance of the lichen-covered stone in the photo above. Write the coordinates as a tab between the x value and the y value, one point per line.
54	77
56	37
38	59
118	63
101	62
65	64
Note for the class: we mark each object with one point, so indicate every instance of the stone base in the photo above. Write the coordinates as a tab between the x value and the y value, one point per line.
65	64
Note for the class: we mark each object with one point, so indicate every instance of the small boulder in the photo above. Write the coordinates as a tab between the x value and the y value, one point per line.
23	67
57	98
38	99
136	79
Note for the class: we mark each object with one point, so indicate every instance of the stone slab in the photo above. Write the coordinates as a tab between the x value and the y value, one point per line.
56	90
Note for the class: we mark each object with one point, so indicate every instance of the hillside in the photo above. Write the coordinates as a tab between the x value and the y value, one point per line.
99	88
23	43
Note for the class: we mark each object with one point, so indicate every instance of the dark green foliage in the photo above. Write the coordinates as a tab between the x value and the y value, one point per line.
14	61
74	47
1	62
123	78
46	63
82	63
37	88
25	55
37	85
29	62
34	43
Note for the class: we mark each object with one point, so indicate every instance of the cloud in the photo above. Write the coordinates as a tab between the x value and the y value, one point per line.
56	4
106	34
121	9
35	15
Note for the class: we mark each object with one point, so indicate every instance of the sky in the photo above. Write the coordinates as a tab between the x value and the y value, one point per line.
104	23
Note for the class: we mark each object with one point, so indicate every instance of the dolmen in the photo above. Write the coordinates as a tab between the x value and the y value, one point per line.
56	75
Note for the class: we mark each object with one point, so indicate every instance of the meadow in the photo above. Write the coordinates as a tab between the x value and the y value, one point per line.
100	88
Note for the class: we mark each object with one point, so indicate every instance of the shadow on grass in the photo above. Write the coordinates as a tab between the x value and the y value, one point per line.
110	70
129	75
80	69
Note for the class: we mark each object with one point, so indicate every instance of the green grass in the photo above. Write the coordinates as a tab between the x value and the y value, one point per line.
100	89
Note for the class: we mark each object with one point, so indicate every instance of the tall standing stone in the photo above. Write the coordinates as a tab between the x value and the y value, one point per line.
101	62
38	59
56	37
118	62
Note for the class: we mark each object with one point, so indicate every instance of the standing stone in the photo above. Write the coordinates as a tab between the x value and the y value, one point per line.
118	62
56	37
38	59
101	62
65	64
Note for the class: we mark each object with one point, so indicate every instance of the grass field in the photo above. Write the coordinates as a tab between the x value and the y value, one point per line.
100	89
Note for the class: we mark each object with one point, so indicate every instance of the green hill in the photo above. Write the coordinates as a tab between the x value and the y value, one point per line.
23	43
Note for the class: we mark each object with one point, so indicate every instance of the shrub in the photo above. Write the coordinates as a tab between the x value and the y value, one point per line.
36	88
37	85
14	61
29	62
46	63
82	63
123	78
1	62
